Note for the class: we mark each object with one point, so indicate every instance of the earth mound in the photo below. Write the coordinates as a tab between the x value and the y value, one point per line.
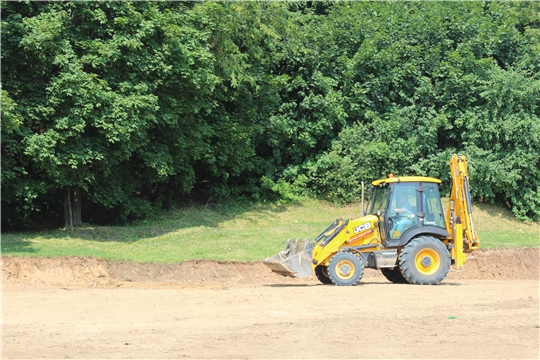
486	264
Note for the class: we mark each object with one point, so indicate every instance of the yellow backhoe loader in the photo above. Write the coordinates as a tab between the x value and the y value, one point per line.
405	234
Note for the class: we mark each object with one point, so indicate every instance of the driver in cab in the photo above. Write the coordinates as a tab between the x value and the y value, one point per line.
403	205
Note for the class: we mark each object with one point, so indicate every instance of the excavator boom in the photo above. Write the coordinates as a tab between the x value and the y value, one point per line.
459	215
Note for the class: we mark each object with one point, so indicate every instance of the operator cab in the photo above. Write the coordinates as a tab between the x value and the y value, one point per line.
406	207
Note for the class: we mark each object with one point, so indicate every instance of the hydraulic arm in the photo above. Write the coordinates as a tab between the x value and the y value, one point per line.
459	215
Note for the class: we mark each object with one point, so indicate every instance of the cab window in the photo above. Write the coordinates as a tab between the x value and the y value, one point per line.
404	198
432	206
403	209
379	200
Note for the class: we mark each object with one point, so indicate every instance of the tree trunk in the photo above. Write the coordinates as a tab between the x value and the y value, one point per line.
72	207
76	206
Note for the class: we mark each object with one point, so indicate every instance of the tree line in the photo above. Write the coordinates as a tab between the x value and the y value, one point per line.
111	110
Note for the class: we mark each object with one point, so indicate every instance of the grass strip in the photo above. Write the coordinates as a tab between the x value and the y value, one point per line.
232	232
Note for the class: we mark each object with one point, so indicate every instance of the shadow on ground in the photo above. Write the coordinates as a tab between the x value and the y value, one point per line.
208	215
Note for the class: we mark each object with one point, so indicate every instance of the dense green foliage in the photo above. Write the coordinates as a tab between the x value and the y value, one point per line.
139	103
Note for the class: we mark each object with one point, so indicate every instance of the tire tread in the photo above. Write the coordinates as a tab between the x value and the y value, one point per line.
406	261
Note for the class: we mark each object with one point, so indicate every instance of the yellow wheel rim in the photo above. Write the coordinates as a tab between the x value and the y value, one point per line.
345	269
427	261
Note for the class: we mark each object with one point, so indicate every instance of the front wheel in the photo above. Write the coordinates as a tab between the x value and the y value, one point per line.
424	261
345	269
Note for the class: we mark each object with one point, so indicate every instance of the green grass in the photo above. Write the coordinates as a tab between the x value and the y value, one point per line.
231	232
497	228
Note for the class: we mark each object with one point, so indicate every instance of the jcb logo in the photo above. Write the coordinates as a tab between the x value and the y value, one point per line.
362	227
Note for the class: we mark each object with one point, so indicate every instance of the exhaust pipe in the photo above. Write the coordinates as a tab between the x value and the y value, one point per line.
363	209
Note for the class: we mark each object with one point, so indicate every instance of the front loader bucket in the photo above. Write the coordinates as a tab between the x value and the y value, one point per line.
294	261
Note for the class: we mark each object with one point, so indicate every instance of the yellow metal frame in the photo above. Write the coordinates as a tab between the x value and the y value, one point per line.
406	179
358	232
459	215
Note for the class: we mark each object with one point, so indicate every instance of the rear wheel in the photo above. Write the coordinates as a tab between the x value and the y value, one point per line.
322	274
345	269
394	275
424	261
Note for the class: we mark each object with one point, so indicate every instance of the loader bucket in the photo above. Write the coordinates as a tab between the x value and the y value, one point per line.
294	261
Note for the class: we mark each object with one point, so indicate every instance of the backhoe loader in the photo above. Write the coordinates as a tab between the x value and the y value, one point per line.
405	234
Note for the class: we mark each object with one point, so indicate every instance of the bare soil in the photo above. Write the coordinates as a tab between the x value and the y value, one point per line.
90	308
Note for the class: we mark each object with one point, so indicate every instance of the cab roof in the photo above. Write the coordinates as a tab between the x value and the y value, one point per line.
399	179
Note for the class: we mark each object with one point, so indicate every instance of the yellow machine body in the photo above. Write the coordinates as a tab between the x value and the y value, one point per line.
406	235
358	232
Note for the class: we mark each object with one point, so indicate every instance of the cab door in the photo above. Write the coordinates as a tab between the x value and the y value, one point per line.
423	213
403	208
432	206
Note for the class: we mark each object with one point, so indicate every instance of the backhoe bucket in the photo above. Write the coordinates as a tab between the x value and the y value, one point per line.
294	261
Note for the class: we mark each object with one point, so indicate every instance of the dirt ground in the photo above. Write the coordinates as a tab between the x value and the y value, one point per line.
88	309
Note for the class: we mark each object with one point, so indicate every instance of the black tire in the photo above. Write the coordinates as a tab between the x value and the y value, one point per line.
394	275
322	274
424	261
345	269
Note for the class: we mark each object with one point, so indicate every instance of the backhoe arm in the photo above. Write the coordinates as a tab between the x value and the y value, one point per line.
459	216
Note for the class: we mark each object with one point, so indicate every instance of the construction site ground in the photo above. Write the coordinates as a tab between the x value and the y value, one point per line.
88	308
